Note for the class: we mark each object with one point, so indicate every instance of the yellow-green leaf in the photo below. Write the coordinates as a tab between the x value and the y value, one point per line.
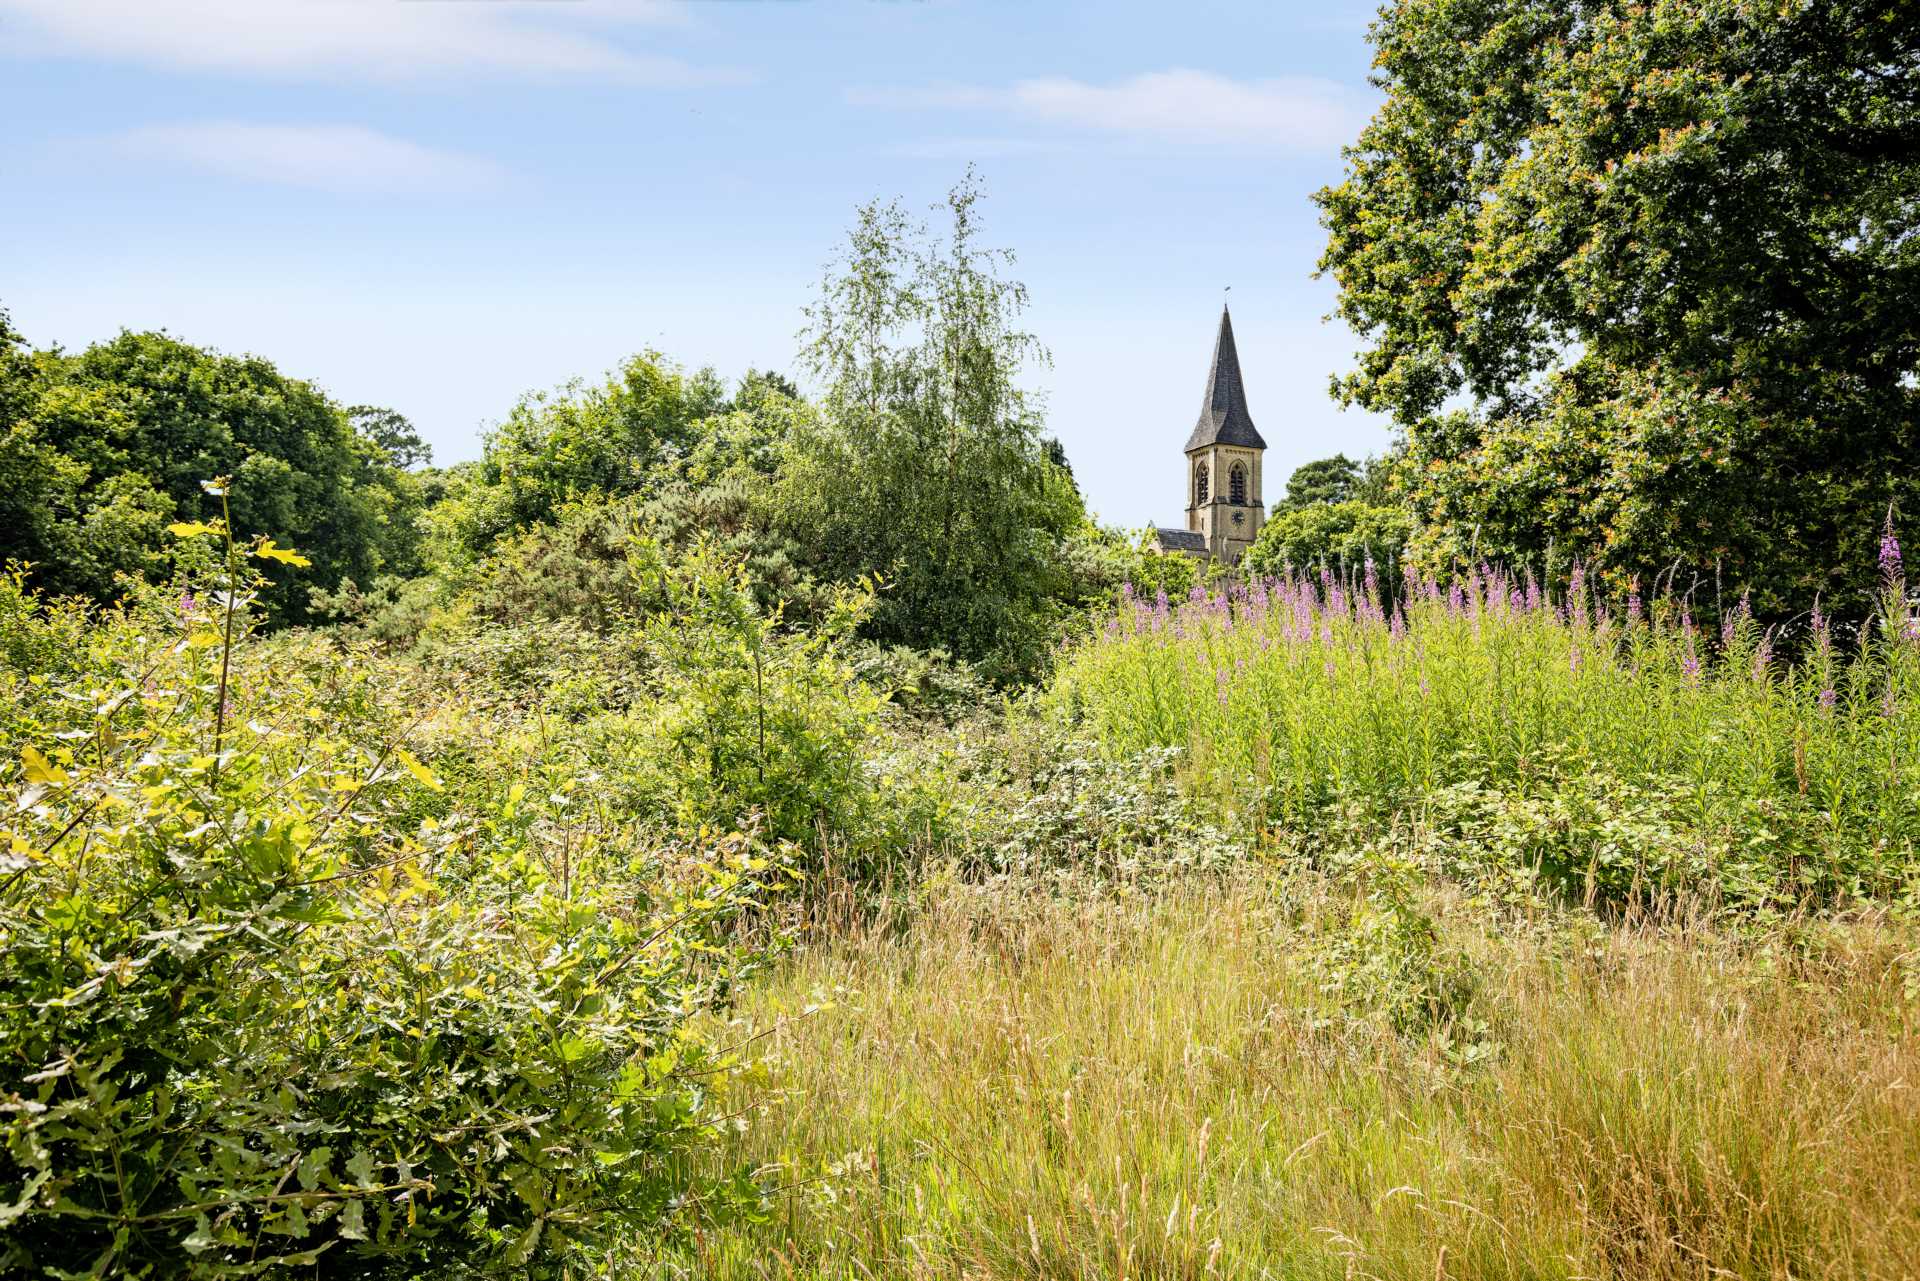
192	528
419	771
285	555
40	769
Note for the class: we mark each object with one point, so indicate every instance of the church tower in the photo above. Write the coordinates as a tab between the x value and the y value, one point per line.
1223	459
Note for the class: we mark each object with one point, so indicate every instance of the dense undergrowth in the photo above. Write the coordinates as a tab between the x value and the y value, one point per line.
682	940
314	958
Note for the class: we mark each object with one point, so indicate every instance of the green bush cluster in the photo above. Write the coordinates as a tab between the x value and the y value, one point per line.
310	955
1341	536
101	449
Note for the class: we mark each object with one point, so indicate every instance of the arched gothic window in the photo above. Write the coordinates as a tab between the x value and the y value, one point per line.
1237	485
1200	485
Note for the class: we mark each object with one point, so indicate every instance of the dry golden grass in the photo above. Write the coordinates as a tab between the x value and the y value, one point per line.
1016	1084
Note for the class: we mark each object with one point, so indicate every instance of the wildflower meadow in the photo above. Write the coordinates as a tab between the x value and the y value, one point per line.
1790	751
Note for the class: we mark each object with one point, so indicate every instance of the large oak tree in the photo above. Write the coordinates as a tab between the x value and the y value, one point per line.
1638	282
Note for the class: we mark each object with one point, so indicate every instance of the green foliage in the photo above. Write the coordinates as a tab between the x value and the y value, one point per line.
1172	574
752	719
1382	966
1342	536
280	985
591	566
1625	759
102	449
1634	283
928	684
1326	480
1042	804
392	434
927	466
37	638
646	426
708	708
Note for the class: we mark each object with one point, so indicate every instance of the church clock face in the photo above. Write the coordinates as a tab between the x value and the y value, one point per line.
1239	518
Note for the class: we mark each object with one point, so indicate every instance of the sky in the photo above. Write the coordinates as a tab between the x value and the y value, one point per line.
439	205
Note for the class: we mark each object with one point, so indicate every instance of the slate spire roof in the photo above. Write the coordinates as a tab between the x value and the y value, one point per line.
1224	419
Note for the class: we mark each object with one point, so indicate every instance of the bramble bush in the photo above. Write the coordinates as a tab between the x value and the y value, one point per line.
274	991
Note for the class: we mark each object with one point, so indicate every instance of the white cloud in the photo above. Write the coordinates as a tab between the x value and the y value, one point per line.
1296	113
386	40
344	159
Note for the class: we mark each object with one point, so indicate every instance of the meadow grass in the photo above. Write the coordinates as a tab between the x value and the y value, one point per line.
1181	1084
1371	1047
1298	694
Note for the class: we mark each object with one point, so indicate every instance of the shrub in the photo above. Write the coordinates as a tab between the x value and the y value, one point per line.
750	718
1040	803
1341	536
274	992
929	684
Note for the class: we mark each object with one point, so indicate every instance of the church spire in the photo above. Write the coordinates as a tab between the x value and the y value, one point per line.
1224	419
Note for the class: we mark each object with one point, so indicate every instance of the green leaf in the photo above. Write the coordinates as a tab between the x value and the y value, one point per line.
360	1168
201	1239
316	1169
522	1249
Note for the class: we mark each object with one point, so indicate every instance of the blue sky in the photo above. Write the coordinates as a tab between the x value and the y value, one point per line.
439	204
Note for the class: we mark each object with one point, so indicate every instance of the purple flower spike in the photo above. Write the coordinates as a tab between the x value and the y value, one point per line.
1828	697
1890	554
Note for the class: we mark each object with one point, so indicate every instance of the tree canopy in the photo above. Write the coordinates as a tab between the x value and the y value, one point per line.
927	465
581	441
104	448
1636	281
1341	536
